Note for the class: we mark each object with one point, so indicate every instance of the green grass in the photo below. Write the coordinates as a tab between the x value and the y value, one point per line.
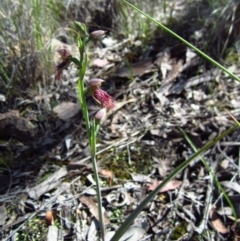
134	24
35	229
26	27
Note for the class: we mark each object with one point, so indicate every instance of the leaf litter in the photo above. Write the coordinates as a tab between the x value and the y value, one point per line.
154	95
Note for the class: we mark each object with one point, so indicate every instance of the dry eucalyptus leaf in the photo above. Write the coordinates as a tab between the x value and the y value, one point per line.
224	164
217	223
225	211
93	208
92	231
52	233
132	234
171	185
90	191
50	217
100	62
19	220
66	110
163	165
3	215
231	185
109	235
109	41
107	173
136	69
50	183
139	177
2	98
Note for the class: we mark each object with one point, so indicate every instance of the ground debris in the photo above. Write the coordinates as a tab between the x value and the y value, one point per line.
14	126
157	87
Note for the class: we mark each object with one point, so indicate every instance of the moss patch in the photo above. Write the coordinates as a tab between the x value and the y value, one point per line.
124	162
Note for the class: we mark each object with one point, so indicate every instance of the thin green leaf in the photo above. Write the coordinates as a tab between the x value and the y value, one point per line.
76	61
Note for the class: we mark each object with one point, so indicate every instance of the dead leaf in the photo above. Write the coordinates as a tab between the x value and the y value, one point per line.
66	110
14	126
3	215
52	233
39	98
100	62
133	233
93	208
171	185
50	217
139	177
19	220
50	183
136	69
224	164
231	185
107	173
2	98
163	165
79	212
217	223
93	230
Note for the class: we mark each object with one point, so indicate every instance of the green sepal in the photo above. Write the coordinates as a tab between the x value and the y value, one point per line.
81	28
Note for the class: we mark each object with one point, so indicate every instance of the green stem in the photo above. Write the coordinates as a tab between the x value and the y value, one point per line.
81	92
184	41
95	168
91	130
83	105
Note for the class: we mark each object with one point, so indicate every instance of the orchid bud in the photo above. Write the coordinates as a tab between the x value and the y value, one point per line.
81	27
95	82
100	115
98	34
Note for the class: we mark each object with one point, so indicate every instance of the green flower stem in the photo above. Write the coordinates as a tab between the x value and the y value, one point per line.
94	162
83	105
91	130
184	41
81	91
